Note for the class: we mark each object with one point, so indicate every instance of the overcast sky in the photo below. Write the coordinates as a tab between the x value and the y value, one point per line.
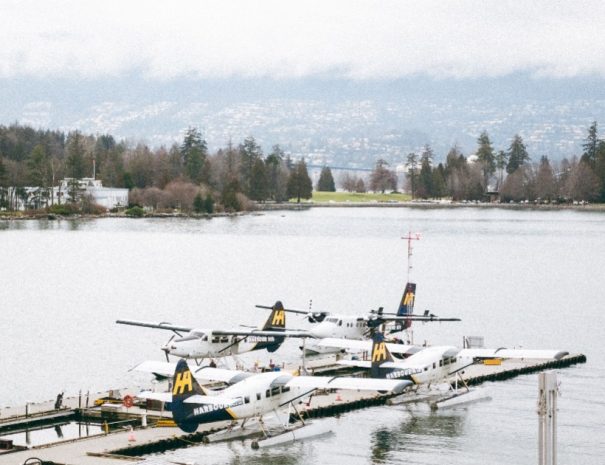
283	39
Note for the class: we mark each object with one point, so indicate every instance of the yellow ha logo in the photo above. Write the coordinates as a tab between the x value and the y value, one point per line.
182	383
279	318
379	353
408	299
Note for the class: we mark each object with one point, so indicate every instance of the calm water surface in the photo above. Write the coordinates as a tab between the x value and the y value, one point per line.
518	278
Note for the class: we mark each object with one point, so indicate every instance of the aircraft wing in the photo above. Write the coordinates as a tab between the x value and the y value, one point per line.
289	310
416	318
161	396
221	374
219	401
261	333
350	383
161	325
366	345
514	353
162	369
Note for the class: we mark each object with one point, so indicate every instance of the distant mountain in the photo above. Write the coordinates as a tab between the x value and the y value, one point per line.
345	123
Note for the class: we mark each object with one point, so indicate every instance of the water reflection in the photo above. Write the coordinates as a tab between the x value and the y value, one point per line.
415	432
49	434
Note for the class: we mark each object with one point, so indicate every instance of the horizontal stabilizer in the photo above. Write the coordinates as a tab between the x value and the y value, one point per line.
163	369
161	396
364	384
221	374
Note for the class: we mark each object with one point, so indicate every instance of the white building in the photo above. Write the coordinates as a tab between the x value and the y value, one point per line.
36	197
108	197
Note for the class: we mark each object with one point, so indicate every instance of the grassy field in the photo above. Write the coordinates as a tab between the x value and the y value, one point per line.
319	197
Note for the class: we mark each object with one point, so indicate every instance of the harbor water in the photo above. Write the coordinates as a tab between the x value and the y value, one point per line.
530	279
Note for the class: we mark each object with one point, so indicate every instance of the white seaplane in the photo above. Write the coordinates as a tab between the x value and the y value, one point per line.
334	325
252	396
426	366
197	343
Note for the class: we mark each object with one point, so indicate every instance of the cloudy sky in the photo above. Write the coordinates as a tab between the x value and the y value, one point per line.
284	39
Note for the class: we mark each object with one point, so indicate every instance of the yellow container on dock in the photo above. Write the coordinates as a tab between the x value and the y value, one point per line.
492	361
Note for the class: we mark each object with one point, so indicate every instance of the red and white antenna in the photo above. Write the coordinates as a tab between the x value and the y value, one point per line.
410	237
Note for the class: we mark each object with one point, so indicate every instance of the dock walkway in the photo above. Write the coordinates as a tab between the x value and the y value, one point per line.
119	447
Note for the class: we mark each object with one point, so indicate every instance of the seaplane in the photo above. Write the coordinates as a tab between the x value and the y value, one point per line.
199	344
427	366
358	327
251	397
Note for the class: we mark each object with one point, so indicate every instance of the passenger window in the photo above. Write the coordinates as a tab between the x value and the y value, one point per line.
440	363
258	396
247	400
434	365
268	393
340	323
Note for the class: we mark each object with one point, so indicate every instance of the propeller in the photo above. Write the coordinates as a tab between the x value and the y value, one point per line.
166	347
316	317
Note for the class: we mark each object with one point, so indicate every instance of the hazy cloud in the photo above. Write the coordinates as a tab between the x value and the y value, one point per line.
351	39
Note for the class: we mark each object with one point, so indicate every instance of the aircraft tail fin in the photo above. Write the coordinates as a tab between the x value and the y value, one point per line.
406	306
184	385
380	354
275	322
277	318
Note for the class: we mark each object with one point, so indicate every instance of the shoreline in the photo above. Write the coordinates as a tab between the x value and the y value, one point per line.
42	215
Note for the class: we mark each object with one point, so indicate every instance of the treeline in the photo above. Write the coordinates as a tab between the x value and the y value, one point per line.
187	177
510	173
183	176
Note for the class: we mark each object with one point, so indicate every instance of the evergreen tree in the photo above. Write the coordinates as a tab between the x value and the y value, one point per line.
249	152
425	178
486	157
277	174
590	145
209	204
38	165
600	168
439	184
326	181
517	154
501	162
194	153
299	182
259	185
74	162
412	174
229	196
198	203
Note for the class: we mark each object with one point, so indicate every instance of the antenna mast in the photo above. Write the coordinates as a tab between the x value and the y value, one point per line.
410	237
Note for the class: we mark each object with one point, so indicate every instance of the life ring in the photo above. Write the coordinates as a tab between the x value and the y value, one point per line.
128	401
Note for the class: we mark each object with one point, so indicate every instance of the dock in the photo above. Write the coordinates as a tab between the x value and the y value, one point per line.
131	433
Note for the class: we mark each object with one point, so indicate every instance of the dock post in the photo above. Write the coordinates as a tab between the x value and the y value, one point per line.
547	414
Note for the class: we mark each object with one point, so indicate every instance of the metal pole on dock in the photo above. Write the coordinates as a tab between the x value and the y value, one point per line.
547	414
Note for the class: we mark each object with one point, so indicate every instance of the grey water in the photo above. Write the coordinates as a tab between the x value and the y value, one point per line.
529	279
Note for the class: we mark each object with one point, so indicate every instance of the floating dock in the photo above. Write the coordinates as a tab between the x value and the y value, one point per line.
128	434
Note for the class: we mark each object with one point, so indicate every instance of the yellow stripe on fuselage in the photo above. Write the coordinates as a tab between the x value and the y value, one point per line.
230	412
